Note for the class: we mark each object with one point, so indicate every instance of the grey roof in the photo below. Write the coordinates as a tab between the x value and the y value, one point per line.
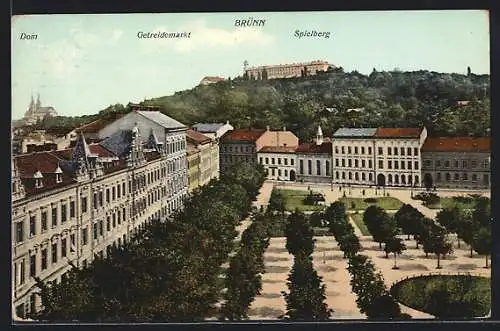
162	119
355	132
119	142
208	127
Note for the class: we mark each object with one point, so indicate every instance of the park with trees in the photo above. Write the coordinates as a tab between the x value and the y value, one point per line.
169	271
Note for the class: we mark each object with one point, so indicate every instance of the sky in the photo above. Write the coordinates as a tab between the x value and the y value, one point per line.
80	64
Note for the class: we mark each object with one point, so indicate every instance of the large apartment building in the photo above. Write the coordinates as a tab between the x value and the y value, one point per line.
71	205
287	70
456	162
378	156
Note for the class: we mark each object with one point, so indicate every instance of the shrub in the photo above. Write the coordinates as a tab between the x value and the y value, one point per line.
444	296
370	200
464	199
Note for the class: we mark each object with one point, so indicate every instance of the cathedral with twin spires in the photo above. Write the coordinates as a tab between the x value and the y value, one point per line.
36	112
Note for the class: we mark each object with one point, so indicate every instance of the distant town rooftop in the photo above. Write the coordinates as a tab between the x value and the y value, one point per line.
249	135
457	144
208	127
355	132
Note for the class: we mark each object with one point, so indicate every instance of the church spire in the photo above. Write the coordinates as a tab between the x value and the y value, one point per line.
38	103
319	136
31	107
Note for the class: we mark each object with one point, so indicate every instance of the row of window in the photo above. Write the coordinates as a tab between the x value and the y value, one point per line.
390	150
274	170
238	149
277	160
318	168
391	179
37	228
236	158
464	177
176	146
458	163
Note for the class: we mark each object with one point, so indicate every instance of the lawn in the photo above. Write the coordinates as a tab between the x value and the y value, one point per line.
449	202
387	203
295	199
358	220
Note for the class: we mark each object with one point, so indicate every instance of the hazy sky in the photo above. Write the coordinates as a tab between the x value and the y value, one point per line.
81	64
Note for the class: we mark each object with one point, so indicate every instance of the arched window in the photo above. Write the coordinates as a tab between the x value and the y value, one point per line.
403	177
396	179
389	179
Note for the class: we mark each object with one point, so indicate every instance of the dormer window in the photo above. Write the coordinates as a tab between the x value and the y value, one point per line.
58	173
38	179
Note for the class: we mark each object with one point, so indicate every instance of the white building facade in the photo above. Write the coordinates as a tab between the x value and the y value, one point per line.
378	156
279	162
314	160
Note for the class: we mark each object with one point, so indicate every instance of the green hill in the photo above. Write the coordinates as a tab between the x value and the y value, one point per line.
335	99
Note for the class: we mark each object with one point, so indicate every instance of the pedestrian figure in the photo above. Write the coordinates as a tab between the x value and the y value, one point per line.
363	192
340	188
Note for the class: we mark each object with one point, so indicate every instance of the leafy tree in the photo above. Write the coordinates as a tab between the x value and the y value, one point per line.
305	300
277	202
467	228
481	215
299	234
396	246
423	230
379	223
439	243
384	307
337	217
349	244
450	218
408	218
316	219
482	242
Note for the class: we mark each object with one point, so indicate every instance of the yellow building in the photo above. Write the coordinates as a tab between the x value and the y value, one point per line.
193	160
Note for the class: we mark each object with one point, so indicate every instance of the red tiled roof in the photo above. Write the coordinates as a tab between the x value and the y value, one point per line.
457	144
198	137
99	150
398	132
278	149
325	147
28	164
242	135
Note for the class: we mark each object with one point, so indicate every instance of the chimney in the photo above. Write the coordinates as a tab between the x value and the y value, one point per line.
284	128
227	122
267	127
